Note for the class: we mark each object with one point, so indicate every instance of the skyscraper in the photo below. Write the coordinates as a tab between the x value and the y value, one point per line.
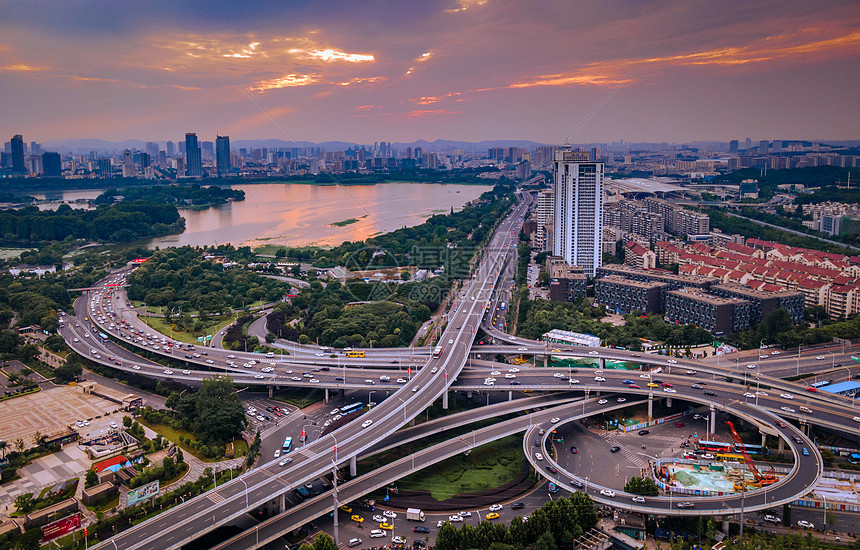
171	149
152	149
194	163
129	170
18	154
52	166
222	155
578	209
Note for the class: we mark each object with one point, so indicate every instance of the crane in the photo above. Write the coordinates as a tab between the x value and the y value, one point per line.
762	479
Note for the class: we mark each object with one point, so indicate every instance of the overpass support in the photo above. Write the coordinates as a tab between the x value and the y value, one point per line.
510	395
713	420
271	391
668	401
763	439
445	399
545	361
650	406
341	393
602	363
353	466
781	448
468	395
325	399
282	502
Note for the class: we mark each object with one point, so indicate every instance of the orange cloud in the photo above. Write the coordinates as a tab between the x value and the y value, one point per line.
362	80
431	112
367	107
429	100
287	81
21	68
334	55
465	5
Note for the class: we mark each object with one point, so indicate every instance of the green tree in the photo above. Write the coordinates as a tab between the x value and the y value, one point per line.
545	542
126	421
69	371
324	542
30	540
448	538
643	486
219	411
778	322
91	479
25	503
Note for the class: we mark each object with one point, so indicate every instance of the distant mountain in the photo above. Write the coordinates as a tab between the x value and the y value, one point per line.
103	146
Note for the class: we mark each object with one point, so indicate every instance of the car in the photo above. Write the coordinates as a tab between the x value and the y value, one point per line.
554	420
557	375
210	361
644	432
804	451
312	380
786	396
379	518
749	394
515	369
653	385
366	423
710	393
638	499
774	352
551	469
420	529
645	376
168	372
603	402
186	372
356	518
277	453
492	515
386	526
708	456
607	493
354	542
811	389
599	379
803	524
685	504
378	533
670	390
752	366
696	386
455	519
75	339
260	377
573	450
390	514
781	424
770	518
691	372
285	461
136	367
434	370
762	356
787	409
667	385
401	380
761	393
538	456
680	424
465	514
796	439
522	349
627	381
614	449
820	357
518	505
593	352
635	387
398	540
450	340
496	507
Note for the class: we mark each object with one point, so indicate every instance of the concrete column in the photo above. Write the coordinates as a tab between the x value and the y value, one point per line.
342	393
282	502
510	395
353	466
650	406
713	420
763	439
445	399
668	401
726	526
270	391
325	399
602	363
546	361
781	448
468	396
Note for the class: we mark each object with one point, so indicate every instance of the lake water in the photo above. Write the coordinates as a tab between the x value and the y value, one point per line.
299	215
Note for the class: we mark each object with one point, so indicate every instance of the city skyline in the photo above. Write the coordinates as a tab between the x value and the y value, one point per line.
467	70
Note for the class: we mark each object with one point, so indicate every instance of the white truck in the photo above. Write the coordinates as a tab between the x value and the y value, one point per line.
414	514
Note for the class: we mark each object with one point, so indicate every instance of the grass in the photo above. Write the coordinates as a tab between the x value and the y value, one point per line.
486	467
104	506
299	397
162	326
172	434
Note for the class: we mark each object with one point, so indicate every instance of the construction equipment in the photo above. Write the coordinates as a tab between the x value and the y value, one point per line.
768	478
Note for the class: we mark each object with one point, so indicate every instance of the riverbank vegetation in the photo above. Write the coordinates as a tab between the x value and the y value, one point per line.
180	195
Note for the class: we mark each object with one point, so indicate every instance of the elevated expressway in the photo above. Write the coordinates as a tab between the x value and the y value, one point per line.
200	515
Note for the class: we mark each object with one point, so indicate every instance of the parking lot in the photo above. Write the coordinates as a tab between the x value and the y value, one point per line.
49	411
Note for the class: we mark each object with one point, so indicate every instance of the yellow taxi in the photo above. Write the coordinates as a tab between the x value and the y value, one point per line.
356	518
653	385
346	509
492	515
386	526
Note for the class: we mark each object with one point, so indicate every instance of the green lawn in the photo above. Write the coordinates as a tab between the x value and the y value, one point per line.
172	434
486	467
299	397
212	326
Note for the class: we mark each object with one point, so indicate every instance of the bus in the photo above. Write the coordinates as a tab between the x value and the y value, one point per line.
714	446
288	445
753	450
819	384
355	354
437	351
351	408
103	336
730	457
854	458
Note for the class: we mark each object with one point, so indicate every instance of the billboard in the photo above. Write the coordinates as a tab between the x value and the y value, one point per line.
142	493
61	527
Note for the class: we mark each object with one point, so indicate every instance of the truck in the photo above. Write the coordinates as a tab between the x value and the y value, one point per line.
414	514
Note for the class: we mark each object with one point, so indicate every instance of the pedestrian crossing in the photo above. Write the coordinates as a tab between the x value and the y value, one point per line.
634	457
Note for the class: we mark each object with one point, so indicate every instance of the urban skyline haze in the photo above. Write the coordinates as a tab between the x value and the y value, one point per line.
458	69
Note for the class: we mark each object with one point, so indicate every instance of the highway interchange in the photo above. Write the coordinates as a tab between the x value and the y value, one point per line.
425	379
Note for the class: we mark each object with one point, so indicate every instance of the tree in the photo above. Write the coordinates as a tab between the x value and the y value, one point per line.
19	445
69	371
324	542
30	540
25	503
448	538
126	421
4	445
91	479
643	486
778	322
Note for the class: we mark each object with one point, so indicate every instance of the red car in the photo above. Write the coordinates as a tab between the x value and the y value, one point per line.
813	390
635	386
680	424
667	385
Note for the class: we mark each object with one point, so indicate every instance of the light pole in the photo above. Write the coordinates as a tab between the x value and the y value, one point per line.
404	408
371	392
246	492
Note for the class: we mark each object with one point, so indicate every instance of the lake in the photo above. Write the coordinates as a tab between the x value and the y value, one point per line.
301	214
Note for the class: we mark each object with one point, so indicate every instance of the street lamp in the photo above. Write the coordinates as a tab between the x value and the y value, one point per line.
246	491
371	392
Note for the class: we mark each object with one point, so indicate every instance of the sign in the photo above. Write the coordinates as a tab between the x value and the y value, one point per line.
199	338
139	260
142	493
208	336
61	527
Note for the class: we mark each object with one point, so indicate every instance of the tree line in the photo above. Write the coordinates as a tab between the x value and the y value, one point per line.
195	194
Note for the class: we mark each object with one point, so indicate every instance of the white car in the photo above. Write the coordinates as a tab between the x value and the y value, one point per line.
231	356
603	402
510	376
434	370
455	519
515	369
334	412
752	366
748	394
320	354
168	372
378	533
75	339
312	380
186	372
574	381
495	373
670	390
135	367
489	383
787	409
552	421
599	379
671	361
786	396
260	377
803	524
114	425
277	453
465	514
389	514
496	507
621	400
638	499
538	456
378	518
770	518
593	353
522	349
414	389
607	493
366	423
441	522
646	376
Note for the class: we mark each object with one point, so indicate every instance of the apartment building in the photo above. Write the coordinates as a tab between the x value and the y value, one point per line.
626	295
713	313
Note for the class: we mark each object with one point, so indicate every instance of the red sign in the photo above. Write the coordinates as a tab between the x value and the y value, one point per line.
61	527
139	260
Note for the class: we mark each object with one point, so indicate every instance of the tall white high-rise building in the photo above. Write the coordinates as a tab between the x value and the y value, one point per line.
543	212
578	209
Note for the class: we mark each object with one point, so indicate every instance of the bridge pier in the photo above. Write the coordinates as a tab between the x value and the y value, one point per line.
353	466
445	399
763	439
341	393
510	395
282	502
469	395
650	406
726	526
668	401
545	361
781	448
325	399
271	391
602	363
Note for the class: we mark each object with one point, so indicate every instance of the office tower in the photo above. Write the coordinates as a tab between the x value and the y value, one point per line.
208	149
193	164
171	149
733	146
578	209
128	168
18	154
105	168
151	149
35	148
145	160
222	155
52	166
543	214
763	146
748	143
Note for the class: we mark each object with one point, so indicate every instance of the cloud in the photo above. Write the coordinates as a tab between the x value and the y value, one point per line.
429	100
287	81
366	107
21	68
362	80
465	5
426	113
334	55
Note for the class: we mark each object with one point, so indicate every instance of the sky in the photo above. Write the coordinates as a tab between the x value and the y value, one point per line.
404	70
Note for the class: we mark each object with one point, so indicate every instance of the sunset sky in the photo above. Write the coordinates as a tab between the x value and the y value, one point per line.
403	70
